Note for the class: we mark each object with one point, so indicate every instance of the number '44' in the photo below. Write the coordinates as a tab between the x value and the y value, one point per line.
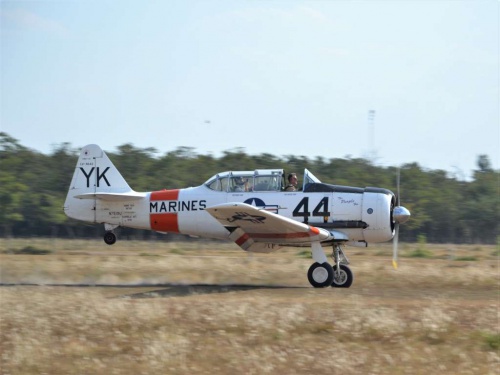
302	209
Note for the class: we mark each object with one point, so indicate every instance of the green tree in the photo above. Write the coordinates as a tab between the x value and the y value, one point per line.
33	187
482	204
12	195
136	165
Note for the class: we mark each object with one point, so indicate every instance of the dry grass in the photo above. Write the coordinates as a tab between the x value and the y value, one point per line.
432	316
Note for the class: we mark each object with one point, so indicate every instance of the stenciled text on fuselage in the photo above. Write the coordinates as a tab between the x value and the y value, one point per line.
177	206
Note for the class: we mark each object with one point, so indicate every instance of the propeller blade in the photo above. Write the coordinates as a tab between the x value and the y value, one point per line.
395	247
398	179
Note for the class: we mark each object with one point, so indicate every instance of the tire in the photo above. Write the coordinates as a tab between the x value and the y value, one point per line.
320	275
346	277
109	238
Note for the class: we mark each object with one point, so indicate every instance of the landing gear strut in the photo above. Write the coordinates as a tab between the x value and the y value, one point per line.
342	274
321	274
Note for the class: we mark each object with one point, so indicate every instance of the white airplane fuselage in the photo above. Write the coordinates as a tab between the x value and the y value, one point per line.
364	216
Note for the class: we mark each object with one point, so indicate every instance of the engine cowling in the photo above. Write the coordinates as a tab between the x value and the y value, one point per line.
377	213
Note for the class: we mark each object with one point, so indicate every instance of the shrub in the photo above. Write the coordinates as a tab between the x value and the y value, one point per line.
492	340
421	251
306	254
466	258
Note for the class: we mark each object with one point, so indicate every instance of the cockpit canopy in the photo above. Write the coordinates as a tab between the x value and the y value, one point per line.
259	180
240	181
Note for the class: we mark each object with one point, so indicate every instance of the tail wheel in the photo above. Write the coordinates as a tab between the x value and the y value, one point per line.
342	279
320	275
109	238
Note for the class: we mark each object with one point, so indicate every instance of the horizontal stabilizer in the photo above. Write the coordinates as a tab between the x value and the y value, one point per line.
132	195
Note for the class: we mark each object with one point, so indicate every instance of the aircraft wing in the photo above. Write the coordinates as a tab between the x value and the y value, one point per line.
259	230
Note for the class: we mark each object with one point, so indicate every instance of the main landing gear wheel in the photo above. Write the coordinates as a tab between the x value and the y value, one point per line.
342	279
320	275
109	238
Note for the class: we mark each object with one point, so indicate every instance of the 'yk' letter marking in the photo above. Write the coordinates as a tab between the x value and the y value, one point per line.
87	176
102	175
99	176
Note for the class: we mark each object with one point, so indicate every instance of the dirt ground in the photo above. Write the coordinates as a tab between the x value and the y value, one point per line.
203	308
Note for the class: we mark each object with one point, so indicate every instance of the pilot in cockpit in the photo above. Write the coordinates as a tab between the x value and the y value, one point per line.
239	184
292	182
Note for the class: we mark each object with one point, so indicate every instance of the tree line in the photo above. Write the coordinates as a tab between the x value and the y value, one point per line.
445	209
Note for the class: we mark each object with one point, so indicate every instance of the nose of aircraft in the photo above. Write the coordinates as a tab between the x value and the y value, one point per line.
401	214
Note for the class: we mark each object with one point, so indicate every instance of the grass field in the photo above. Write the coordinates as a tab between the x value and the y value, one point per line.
82	307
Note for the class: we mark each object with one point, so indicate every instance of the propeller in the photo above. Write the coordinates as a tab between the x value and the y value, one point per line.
400	216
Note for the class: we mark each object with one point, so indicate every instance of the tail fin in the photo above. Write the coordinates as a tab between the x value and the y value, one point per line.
95	177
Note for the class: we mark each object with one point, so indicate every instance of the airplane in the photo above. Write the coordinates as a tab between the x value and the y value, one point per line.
250	208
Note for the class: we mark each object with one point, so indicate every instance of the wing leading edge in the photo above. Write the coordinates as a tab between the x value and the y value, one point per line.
259	230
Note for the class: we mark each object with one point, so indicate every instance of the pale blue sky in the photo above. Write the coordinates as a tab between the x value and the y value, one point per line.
280	77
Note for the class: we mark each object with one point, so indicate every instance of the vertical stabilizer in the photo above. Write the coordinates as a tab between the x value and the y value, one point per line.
94	174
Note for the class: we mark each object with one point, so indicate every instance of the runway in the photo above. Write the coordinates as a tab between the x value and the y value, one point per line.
166	289
388	295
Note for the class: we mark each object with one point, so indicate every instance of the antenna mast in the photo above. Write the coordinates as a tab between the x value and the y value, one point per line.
371	134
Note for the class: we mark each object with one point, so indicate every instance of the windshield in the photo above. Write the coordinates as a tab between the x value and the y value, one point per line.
309	178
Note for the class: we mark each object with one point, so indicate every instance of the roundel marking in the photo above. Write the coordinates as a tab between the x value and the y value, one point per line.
255	202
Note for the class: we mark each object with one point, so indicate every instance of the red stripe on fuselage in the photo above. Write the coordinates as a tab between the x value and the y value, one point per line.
165	195
164	222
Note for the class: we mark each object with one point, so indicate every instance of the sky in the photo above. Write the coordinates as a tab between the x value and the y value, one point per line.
394	81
